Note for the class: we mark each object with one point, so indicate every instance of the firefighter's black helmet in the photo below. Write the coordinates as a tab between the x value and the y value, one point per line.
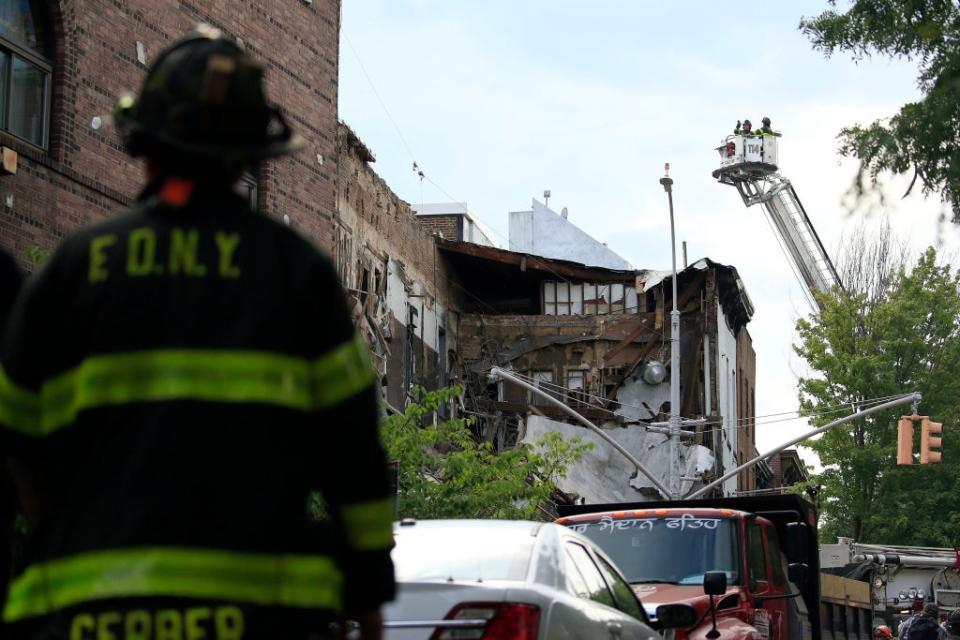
203	98
766	122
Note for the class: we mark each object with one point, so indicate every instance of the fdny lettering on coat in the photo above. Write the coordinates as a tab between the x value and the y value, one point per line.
177	255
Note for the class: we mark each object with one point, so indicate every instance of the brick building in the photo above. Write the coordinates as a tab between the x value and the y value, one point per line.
454	221
65	62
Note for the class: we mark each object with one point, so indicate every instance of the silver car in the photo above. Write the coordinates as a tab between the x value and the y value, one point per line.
484	579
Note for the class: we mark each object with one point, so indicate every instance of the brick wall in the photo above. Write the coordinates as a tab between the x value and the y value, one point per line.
380	235
450	227
84	175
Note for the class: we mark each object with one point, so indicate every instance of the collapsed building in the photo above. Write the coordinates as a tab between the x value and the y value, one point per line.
437	309
595	338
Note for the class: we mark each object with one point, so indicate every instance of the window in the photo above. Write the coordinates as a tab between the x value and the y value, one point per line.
626	599
575	580
756	565
575	385
566	298
25	70
542	379
248	187
344	251
773	558
596	588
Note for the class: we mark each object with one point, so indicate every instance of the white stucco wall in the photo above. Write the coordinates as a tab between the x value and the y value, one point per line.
429	312
726	400
605	475
543	232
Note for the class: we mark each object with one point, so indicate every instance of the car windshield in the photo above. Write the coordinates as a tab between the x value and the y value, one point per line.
676	550
460	555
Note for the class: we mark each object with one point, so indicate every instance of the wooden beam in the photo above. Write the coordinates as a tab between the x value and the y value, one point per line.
689	381
648	348
633	335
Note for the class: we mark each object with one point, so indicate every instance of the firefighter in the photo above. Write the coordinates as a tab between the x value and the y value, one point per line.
183	378
747	128
765	129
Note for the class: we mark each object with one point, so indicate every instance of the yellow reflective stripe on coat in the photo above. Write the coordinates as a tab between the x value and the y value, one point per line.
369	525
310	582
191	374
341	373
19	407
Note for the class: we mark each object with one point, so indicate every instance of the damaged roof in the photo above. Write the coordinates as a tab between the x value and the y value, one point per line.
530	262
732	293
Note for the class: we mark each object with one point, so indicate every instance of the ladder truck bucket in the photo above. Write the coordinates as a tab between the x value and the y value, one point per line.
746	156
750	164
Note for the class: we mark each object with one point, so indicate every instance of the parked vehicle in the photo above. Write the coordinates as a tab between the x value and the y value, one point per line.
495	579
752	563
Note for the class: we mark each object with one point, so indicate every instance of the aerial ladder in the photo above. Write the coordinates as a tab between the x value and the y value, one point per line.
749	163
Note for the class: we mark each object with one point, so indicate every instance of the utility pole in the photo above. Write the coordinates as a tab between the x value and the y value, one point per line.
674	424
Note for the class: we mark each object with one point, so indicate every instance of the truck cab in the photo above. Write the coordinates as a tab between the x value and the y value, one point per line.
666	550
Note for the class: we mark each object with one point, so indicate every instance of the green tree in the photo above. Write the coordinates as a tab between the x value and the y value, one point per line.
861	347
446	473
922	138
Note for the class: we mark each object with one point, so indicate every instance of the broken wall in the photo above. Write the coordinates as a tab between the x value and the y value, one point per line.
605	475
391	268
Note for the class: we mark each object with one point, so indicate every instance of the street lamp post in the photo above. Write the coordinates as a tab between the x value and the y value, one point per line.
674	425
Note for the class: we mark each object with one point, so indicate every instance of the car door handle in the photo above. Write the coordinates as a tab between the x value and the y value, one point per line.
615	628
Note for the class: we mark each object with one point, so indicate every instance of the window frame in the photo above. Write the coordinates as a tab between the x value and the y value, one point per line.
774	560
617	584
758	582
13	49
581	566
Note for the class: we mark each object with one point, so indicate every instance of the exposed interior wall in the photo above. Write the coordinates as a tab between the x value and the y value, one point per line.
606	475
726	359
746	408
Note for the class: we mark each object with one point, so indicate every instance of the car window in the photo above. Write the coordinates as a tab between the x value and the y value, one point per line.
773	557
575	579
626	599
596	587
485	555
756	565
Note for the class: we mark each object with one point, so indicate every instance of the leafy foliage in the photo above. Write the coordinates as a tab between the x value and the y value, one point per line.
861	348
446	473
922	138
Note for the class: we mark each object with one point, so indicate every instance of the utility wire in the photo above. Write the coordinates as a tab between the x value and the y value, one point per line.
377	95
416	166
749	422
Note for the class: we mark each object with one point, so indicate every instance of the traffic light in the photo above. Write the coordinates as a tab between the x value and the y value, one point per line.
905	440
930	433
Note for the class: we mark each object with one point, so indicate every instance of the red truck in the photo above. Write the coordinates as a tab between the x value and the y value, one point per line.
748	566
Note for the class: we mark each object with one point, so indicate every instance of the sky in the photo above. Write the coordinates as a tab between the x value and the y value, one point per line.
498	100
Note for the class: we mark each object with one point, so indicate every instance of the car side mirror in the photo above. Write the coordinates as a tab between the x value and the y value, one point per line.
798	573
672	616
798	542
715	583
